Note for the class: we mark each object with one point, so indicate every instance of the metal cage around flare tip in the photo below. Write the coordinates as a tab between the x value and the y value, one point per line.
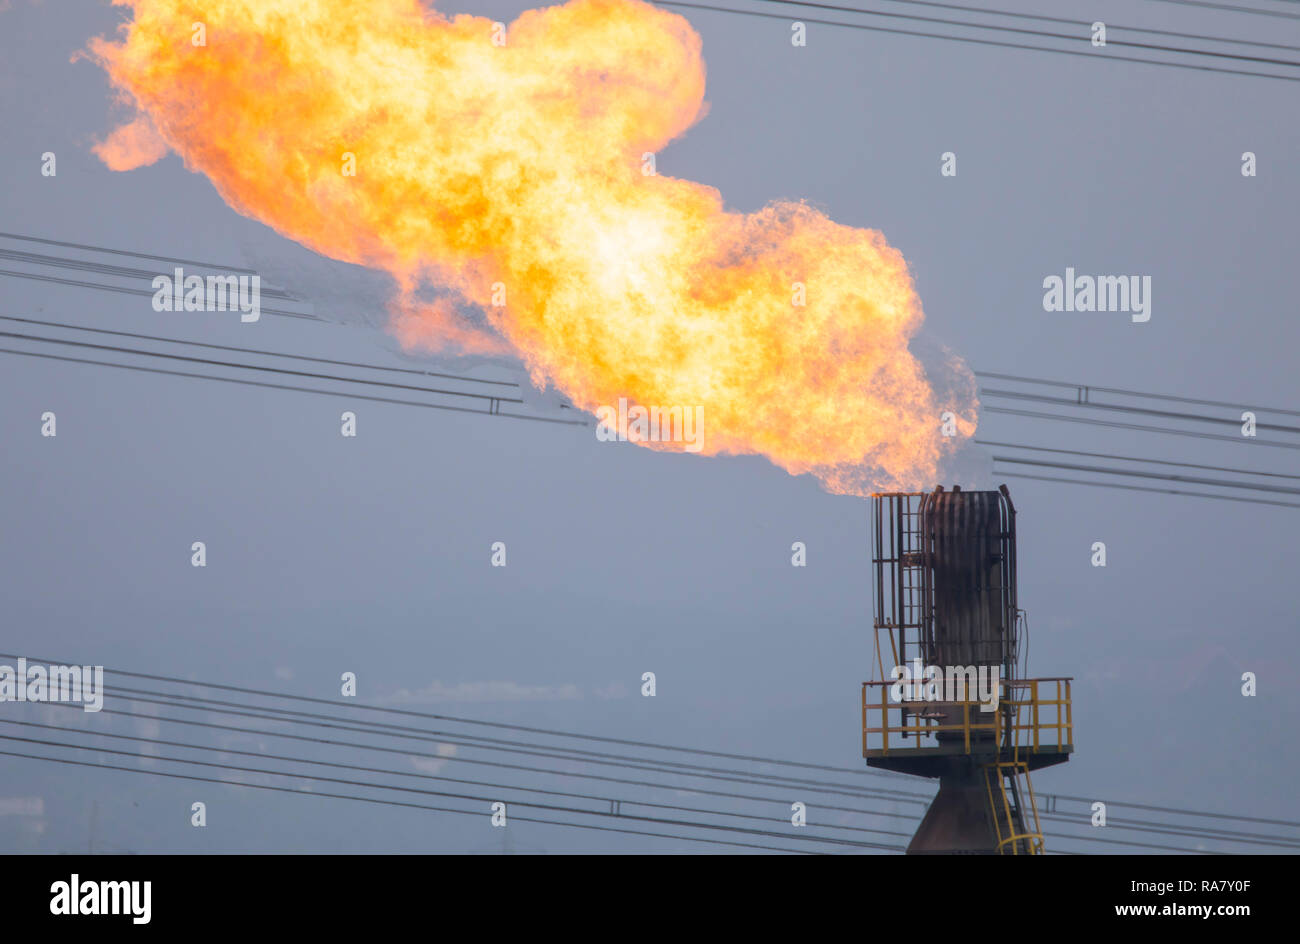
945	577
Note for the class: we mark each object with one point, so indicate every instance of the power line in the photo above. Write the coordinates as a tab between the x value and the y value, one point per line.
618	803
1106	455
494	409
1216	835
1137	473
614	802
1224	6
406	732
342	781
272	386
1023	31
1087	389
1130	842
1172	829
1168	828
458	719
383	802
125	252
981	42
211	362
1084	389
920	800
496	399
1069	22
121	272
1143	474
559	733
144	293
1124	408
588	757
1182	812
1084	392
260	352
1140	488
607	759
1139	427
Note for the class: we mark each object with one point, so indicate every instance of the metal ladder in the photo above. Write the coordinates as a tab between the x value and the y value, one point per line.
1009	804
1013	799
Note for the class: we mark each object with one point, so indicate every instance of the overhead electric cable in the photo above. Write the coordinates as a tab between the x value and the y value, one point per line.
544	807
1065	21
1140	488
310	375
259	351
1129	408
334	703
1232	9
614	802
920	800
1107	455
558	733
1088	389
982	42
1138	473
385	802
1085	34
1111	424
272	386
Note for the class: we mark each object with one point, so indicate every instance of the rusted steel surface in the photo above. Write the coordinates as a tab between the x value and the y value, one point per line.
969	611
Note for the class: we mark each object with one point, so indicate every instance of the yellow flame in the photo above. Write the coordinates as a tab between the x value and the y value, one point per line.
512	167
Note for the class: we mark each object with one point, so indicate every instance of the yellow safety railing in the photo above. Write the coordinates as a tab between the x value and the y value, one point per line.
1032	713
1047	715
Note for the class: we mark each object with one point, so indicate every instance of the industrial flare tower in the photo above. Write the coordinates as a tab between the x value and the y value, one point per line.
945	600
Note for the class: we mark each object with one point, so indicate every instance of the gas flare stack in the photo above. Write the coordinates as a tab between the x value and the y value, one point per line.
945	610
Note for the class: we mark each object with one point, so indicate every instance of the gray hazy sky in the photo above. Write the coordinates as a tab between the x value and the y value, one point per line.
371	555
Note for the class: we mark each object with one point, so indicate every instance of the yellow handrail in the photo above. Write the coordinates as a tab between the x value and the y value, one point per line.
1004	724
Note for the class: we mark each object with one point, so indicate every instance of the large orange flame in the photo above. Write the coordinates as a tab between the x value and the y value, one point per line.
511	169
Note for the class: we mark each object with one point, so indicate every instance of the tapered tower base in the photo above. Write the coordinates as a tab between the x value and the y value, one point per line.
959	821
